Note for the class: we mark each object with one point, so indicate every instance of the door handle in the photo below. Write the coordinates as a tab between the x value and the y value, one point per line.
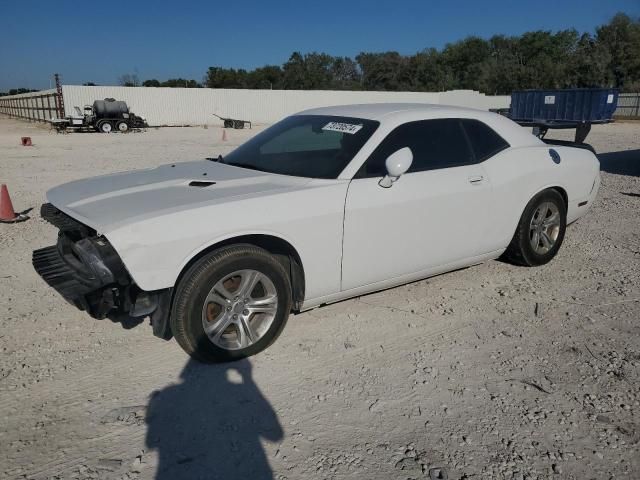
475	180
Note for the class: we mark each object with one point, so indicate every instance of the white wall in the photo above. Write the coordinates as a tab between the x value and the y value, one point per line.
195	106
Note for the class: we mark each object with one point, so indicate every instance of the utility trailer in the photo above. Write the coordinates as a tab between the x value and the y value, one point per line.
103	116
577	108
233	123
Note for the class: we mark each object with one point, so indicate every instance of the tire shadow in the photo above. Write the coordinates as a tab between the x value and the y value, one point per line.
210	425
625	162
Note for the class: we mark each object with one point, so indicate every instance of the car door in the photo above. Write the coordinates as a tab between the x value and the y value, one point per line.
434	215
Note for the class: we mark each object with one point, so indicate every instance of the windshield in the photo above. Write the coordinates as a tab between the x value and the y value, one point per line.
314	146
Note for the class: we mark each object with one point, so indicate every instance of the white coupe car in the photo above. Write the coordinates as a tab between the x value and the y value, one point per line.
324	205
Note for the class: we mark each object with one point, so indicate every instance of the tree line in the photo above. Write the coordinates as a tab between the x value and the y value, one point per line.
16	91
499	65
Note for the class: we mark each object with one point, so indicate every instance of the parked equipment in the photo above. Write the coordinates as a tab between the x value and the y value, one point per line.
233	123
103	116
577	108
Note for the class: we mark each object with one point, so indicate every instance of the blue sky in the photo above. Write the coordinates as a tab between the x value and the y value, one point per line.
99	41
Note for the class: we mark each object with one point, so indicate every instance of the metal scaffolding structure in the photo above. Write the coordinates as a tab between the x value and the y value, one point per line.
35	107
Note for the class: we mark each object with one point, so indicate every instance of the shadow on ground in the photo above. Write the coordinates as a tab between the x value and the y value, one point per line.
210	425
626	162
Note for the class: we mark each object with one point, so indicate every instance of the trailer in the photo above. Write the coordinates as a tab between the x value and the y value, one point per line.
233	123
577	108
103	116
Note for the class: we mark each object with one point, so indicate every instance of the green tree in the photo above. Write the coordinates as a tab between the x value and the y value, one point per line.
180	83
429	73
218	77
129	80
590	64
388	71
311	71
621	38
468	61
268	77
345	74
19	91
546	58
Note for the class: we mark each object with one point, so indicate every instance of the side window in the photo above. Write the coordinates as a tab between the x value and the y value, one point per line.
484	140
434	143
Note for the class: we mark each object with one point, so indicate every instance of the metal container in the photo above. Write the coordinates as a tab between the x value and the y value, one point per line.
110	109
569	106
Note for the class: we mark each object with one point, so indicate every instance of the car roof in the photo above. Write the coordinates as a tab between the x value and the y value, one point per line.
377	111
397	113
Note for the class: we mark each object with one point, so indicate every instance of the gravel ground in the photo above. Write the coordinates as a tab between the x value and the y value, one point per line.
494	371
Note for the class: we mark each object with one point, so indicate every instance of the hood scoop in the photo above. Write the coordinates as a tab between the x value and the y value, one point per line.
201	183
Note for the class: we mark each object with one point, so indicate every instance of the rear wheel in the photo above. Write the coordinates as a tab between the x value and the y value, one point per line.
122	126
540	231
231	304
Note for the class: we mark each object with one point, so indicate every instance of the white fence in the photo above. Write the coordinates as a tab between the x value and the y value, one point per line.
196	106
628	105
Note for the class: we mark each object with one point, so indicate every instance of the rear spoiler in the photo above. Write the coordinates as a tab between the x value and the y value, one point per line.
568	143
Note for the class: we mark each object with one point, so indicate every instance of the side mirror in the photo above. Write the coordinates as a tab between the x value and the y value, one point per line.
397	164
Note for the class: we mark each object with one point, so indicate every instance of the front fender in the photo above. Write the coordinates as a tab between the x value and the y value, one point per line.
156	250
157	265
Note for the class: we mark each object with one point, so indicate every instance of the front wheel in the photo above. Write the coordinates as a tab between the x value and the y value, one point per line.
540	231
122	126
231	304
104	126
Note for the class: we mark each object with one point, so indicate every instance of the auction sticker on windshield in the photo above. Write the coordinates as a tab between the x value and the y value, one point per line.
342	127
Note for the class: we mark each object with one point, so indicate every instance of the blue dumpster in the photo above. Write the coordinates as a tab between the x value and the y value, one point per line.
570	108
573	106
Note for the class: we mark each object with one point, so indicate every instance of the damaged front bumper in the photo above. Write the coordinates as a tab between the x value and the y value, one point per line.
87	271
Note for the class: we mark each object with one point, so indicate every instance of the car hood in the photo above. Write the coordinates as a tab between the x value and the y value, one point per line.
111	201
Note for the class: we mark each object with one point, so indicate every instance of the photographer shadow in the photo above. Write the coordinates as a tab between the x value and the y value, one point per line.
210	425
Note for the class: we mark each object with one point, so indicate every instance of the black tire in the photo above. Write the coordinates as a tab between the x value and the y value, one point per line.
101	126
191	293
520	251
122	126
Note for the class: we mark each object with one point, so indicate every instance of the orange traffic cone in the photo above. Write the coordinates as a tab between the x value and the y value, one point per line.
7	213
224	135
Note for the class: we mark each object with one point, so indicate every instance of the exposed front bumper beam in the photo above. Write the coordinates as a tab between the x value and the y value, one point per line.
83	267
87	273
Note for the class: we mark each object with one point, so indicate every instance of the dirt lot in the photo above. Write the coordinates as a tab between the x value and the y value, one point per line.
494	371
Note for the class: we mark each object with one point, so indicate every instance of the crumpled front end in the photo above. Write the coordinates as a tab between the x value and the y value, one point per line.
87	271
83	267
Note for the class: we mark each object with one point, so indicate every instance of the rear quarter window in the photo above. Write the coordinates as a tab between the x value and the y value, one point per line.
485	142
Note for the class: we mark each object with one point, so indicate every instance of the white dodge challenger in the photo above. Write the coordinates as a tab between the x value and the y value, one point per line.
324	205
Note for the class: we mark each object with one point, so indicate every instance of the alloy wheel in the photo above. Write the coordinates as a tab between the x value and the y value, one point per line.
544	227
239	309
